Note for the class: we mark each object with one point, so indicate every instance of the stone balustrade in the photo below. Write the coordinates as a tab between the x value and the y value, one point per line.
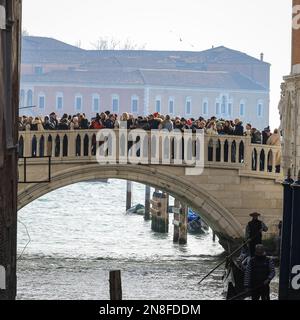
155	147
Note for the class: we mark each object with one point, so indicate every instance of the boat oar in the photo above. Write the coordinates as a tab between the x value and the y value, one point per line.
234	252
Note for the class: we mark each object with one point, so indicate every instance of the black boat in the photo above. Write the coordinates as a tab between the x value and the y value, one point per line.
234	279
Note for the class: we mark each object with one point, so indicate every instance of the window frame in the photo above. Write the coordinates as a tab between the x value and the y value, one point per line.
95	96
135	98
205	112
260	107
242	114
59	95
77	96
171	99
29	98
117	98
158	99
188	100
42	95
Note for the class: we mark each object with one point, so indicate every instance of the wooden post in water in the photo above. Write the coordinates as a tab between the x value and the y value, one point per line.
115	285
183	225
147	203
163	219
155	210
159	213
176	222
214	236
128	194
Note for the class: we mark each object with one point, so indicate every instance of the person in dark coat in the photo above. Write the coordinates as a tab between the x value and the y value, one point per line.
266	135
238	128
254	231
259	273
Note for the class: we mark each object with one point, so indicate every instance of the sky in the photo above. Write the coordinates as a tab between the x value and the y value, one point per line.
250	26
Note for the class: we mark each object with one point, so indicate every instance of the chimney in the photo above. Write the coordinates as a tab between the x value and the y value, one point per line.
262	56
296	38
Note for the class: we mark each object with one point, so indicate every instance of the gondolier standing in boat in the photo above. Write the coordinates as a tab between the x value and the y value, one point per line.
259	273
254	231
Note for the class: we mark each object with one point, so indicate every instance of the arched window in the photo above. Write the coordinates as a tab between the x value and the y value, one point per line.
205	107
158	104
22	99
242	108
188	106
224	105
171	108
29	98
260	109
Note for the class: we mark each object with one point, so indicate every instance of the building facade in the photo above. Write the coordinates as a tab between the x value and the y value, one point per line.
218	82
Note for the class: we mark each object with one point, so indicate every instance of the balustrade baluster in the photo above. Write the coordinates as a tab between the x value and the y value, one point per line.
274	161
222	142
61	144
258	160
266	160
230	142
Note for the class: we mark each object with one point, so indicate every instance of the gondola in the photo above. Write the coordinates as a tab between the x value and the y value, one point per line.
195	224
234	279
138	209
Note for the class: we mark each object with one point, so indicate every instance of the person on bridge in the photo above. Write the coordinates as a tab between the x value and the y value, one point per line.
254	231
259	273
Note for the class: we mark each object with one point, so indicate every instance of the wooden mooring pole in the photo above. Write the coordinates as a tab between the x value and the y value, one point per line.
159	213
147	203
183	225
176	222
128	195
115	285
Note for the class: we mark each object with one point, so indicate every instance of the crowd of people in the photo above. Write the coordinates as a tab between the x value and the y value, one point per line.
212	126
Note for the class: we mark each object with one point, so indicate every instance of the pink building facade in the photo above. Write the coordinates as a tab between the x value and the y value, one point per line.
188	84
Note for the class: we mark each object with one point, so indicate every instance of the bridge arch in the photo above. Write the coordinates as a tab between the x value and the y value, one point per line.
217	216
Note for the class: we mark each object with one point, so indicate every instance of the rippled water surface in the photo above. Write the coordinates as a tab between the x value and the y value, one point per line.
80	232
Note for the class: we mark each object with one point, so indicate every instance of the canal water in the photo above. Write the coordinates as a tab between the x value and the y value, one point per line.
80	232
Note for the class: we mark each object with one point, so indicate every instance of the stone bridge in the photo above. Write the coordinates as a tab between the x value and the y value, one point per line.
222	177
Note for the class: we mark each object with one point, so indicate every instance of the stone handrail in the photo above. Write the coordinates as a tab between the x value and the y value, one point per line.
161	147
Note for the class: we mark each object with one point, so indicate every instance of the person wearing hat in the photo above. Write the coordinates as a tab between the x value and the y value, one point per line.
254	231
266	134
259	273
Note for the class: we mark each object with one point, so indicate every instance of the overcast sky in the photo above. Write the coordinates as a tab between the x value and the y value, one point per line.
251	26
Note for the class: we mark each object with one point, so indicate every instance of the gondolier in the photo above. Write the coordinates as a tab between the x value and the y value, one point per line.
254	231
259	273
